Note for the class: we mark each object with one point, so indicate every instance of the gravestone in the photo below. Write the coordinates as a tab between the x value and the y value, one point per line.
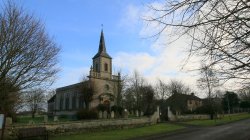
142	113
1	126
8	121
112	115
137	113
126	114
100	114
105	114
31	122
45	118
56	119
1	120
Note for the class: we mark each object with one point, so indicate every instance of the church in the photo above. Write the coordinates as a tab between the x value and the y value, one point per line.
68	100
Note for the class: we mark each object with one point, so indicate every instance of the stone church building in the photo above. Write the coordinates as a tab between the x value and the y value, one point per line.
68	100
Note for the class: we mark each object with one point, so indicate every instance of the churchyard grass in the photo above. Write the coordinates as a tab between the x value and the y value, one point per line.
122	134
220	121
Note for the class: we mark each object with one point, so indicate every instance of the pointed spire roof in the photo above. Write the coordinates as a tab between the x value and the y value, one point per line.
102	48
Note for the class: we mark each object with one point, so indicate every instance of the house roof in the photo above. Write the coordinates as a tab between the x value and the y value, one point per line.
73	86
183	97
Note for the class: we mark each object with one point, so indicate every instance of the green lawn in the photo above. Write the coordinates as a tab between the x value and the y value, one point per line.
121	134
226	119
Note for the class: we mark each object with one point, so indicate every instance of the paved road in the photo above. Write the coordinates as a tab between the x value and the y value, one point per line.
234	131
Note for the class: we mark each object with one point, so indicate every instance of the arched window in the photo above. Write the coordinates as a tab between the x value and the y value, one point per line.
107	87
67	103
61	102
81	102
106	67
74	101
96	67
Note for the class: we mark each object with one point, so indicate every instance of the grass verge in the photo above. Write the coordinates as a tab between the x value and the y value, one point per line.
122	134
224	120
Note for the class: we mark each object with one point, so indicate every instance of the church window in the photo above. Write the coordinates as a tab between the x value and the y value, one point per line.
106	67
81	102
107	87
74	101
96	67
67	103
61	103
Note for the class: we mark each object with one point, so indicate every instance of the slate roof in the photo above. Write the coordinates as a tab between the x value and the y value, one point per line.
183	97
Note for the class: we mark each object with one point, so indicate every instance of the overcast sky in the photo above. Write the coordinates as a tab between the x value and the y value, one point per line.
76	26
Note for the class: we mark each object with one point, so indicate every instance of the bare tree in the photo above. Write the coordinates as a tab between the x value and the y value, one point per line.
35	101
122	84
161	89
218	29
9	98
50	94
28	54
136	84
86	91
244	94
177	87
208	81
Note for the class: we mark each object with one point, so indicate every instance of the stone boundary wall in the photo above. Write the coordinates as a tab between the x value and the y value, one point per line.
192	117
172	117
69	127
84	126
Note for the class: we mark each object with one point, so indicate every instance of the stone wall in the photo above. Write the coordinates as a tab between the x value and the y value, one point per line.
69	127
192	117
56	128
172	117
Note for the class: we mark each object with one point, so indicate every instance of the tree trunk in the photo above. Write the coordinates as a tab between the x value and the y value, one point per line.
33	115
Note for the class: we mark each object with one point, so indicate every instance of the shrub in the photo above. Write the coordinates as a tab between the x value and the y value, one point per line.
103	107
117	109
87	114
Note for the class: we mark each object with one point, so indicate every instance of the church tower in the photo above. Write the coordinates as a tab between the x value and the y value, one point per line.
102	62
105	84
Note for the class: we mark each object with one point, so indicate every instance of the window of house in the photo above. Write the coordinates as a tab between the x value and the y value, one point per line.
106	67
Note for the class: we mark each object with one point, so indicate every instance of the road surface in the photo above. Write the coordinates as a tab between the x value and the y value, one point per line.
239	130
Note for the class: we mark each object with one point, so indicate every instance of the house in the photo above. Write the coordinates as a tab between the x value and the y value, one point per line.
68	100
182	103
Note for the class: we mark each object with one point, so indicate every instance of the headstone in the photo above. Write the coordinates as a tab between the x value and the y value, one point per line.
142	113
105	114
100	114
55	118
45	119
1	120
8	121
31	122
112	115
125	113
1	125
137	113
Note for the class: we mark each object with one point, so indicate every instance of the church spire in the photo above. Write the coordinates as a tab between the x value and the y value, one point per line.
102	48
